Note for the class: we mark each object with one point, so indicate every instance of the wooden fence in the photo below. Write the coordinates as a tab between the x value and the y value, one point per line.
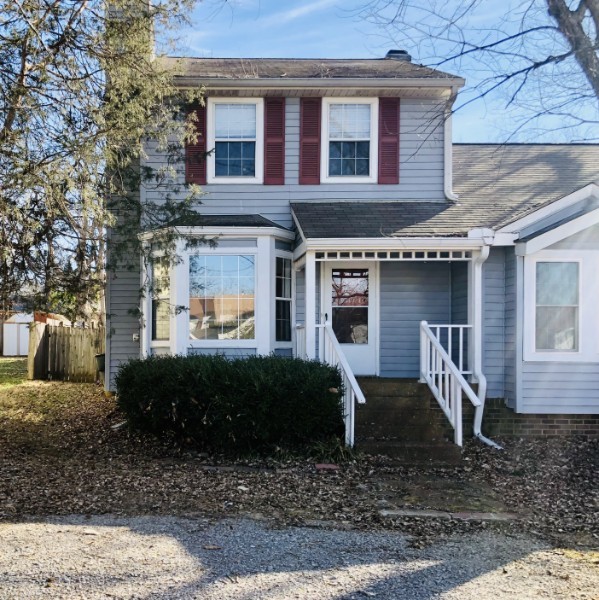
64	353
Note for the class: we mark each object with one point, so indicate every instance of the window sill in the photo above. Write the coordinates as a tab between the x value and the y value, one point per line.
191	343
234	180
346	179
569	357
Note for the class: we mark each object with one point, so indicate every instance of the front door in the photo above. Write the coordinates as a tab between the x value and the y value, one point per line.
350	306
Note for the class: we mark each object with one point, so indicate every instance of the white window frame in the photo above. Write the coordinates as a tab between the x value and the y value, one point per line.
229	343
211	141
588	316
374	137
282	344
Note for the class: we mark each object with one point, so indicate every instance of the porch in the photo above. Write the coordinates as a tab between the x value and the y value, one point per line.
410	312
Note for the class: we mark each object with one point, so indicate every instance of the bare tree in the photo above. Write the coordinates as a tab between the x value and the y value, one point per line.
541	57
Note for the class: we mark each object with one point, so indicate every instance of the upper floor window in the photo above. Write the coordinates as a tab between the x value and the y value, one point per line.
349	135
235	140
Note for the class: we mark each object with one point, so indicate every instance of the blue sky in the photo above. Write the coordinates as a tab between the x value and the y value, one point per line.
332	29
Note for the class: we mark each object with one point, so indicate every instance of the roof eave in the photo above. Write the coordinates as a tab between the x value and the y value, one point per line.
213	83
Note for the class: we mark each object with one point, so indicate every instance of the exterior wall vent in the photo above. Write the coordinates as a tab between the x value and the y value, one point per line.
398	55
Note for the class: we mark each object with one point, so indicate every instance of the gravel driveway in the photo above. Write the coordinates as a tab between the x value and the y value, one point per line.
169	557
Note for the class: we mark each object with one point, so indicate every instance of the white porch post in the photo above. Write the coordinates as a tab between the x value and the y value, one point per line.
265	293
310	305
145	309
180	297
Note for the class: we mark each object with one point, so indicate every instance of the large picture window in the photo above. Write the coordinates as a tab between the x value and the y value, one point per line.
222	297
557	306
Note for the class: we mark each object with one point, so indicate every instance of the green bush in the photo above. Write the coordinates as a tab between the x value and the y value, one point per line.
239	406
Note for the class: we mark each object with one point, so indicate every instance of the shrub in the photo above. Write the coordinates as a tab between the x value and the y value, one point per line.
254	404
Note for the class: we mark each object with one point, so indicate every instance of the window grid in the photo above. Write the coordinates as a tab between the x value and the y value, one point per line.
349	140
283	300
235	140
160	293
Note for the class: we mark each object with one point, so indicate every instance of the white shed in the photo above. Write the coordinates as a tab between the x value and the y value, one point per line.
16	334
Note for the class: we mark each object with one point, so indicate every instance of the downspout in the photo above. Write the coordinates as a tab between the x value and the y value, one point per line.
448	152
477	370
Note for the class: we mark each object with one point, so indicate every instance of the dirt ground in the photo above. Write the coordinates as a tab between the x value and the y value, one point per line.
63	451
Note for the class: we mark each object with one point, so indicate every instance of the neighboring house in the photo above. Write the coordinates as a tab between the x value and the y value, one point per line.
337	197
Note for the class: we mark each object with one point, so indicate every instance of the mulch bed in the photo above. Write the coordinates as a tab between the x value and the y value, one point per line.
62	451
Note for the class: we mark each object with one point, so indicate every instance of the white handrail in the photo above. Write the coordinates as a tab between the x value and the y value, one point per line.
444	380
331	352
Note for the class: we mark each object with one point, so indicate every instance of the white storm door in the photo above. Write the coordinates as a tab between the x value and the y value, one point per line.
350	302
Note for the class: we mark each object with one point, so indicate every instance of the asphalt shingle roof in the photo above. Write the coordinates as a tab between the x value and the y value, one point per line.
496	184
201	220
302	68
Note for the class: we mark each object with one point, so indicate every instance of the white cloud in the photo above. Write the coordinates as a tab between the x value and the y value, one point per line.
297	13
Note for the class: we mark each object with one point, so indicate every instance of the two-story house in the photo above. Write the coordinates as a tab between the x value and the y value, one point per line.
343	235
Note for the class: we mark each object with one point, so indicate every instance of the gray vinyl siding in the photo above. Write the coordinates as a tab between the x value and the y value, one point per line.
421	171
409	293
494	322
510	354
122	298
459	293
560	388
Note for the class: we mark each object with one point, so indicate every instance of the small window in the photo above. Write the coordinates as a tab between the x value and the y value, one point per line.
160	300
235	139
283	300
349	134
222	295
557	306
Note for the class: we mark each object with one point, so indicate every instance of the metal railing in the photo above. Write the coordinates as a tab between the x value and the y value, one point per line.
331	353
444	379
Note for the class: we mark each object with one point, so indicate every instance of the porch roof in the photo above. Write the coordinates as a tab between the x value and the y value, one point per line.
378	219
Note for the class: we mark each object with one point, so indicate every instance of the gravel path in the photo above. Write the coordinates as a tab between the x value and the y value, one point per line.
170	557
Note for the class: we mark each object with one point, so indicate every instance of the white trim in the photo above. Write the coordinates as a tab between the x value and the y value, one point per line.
210	141
263	307
374	136
588	319
558	234
310	315
392	243
588	191
288	256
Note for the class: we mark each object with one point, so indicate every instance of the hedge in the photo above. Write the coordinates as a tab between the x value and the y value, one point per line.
244	405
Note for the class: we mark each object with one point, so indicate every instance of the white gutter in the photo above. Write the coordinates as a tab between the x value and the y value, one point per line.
394	243
477	369
190	231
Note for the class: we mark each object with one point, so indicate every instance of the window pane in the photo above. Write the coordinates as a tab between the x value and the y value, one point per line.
221	304
283	321
235	121
557	328
350	287
335	167
350	325
235	159
160	320
557	283
349	121
556	320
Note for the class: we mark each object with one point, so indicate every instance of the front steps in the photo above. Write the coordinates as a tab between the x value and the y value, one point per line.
402	420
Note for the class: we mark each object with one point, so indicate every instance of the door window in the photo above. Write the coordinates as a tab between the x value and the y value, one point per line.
350	305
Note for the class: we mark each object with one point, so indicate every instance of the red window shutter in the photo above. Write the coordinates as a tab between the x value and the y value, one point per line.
274	141
388	140
195	154
309	168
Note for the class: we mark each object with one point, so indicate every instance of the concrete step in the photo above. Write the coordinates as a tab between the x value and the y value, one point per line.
414	453
393	387
395	403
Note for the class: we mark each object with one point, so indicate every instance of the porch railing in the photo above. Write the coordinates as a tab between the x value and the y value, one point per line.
444	377
300	340
455	340
331	352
